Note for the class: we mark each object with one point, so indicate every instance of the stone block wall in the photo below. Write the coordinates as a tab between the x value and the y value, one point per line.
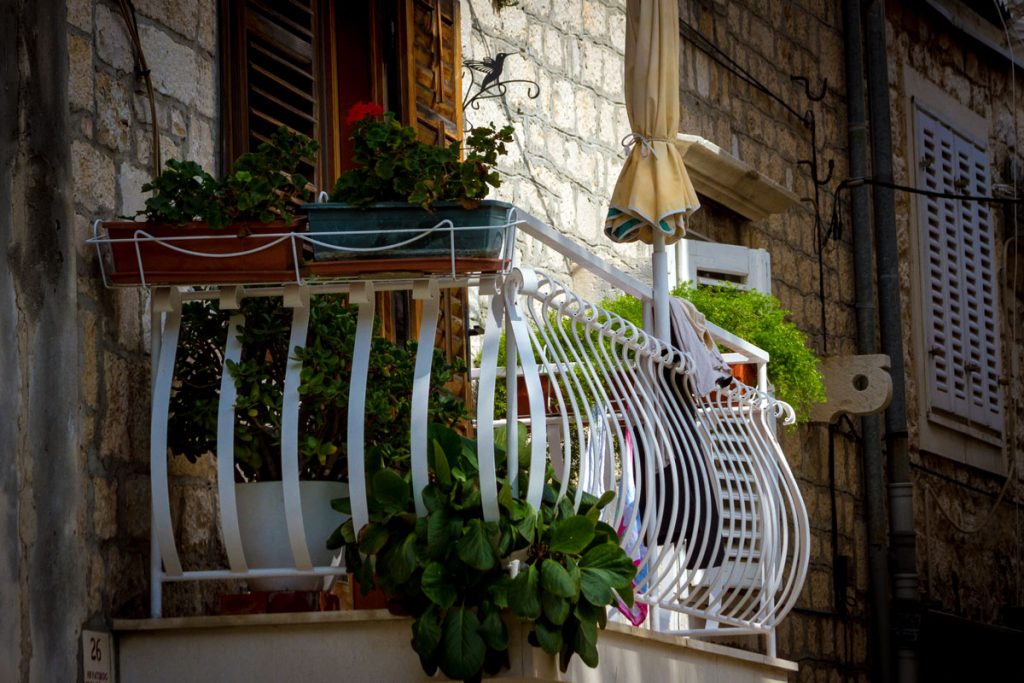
774	41
110	138
567	152
970	551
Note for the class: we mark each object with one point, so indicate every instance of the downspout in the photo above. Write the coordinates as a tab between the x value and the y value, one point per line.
903	567
863	276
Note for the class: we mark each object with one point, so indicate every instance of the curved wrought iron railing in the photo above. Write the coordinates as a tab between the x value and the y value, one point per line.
706	503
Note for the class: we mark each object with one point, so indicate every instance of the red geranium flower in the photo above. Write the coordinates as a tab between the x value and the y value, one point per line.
361	110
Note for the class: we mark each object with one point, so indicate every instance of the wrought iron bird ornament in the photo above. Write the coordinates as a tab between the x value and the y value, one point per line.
491	66
491	84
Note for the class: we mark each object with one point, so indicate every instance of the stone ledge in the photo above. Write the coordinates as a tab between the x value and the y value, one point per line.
720	176
315	644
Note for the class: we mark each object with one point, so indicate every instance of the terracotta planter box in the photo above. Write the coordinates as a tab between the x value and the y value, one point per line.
746	373
523	396
217	256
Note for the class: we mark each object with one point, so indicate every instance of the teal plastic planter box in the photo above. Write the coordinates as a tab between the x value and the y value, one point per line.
392	230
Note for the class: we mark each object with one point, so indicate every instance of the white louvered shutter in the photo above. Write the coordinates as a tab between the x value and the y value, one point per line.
958	262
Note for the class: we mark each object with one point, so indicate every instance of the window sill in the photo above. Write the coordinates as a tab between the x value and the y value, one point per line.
971	445
733	183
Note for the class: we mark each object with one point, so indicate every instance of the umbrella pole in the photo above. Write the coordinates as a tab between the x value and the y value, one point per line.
659	267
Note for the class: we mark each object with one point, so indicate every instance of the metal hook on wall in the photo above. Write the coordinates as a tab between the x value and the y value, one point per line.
804	81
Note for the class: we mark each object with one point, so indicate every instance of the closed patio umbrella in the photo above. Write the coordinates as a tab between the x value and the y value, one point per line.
653	194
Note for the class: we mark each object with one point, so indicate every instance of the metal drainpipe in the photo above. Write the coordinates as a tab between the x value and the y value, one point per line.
863	275
905	606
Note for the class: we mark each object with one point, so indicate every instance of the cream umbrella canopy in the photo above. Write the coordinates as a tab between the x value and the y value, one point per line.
653	194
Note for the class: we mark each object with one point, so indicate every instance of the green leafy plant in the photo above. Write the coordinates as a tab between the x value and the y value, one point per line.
760	319
264	185
394	165
324	388
449	570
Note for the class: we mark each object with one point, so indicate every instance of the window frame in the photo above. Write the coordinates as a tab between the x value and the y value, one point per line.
942	432
745	267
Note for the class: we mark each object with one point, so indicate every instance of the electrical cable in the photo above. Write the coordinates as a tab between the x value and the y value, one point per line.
142	71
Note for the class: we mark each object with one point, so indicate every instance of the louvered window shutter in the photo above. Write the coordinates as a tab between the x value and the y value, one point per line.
271	72
958	263
433	96
433	104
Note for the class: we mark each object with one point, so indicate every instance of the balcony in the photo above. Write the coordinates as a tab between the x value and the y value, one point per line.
705	501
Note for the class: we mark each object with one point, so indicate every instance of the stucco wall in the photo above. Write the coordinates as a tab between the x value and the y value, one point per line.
43	511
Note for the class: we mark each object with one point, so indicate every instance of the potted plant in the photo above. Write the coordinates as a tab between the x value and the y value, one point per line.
201	230
389	206
760	319
557	569
323	428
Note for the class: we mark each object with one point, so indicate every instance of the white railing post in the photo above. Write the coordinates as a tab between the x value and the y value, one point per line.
427	292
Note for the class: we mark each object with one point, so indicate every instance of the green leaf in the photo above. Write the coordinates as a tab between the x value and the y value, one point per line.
462	647
586	611
603	568
426	635
439	463
498	590
402	563
505	499
524	593
556	580
610	561
595	588
493	629
335	540
473	548
434	498
372	538
342	505
390	491
585	643
436	586
549	637
527	525
573	569
442	530
555	608
571	535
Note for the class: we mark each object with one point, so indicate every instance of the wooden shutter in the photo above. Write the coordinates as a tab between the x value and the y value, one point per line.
270	72
282	65
433	83
433	104
959	275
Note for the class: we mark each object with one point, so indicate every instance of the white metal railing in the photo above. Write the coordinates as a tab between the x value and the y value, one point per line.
706	502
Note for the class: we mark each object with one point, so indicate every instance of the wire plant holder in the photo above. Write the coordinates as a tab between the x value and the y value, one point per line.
149	255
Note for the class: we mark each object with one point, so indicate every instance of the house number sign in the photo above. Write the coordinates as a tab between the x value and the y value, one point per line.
97	666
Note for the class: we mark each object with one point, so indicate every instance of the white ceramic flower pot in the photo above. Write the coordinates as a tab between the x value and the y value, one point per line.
264	531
